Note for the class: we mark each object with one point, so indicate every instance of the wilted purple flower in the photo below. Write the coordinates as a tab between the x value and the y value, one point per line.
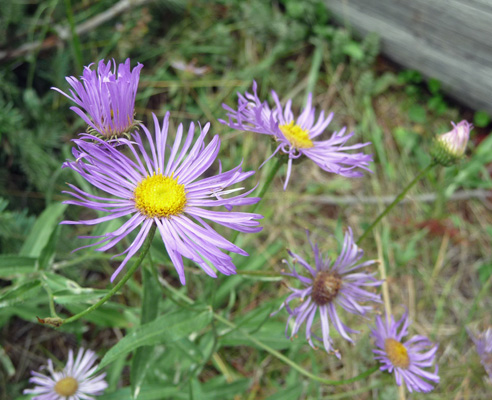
166	192
483	343
408	358
106	98
450	146
74	382
330	285
295	137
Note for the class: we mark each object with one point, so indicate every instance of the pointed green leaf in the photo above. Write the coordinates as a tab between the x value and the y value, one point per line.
42	230
12	265
166	329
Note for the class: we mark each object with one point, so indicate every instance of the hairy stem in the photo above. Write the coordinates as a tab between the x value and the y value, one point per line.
398	198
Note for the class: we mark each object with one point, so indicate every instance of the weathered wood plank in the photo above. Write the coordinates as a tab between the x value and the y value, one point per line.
450	40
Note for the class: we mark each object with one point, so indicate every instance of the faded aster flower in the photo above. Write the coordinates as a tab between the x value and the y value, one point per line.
295	136
330	285
407	359
483	343
154	188
450	147
74	382
106	98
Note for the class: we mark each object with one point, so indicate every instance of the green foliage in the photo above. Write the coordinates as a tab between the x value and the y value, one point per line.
156	344
481	119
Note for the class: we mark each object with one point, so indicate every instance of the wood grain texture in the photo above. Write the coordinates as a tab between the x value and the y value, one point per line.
450	40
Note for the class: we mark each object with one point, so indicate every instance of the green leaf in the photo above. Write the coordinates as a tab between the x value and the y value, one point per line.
481	119
417	114
79	295
7	364
19	294
12	265
48	253
354	50
150	306
42	230
166	329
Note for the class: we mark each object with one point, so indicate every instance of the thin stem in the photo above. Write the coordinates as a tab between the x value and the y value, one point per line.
50	296
273	352
396	200
294	365
268	180
131	270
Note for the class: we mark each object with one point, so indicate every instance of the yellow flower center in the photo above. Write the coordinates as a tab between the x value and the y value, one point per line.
160	196
397	353
298	137
67	386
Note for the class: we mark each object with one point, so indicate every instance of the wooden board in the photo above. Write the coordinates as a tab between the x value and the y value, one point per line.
450	40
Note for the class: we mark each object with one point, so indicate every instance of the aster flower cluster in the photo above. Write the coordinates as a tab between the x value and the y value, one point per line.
156	179
158	187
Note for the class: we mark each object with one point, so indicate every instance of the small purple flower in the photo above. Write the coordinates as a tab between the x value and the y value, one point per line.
408	359
330	285
295	137
483	343
74	382
106	98
450	147
153	187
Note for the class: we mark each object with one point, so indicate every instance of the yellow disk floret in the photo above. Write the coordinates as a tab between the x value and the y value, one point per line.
298	137
160	196
397	353
67	386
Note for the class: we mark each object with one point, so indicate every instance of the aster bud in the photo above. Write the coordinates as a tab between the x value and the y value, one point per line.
449	147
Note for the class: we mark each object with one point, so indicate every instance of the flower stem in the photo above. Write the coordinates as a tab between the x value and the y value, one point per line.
288	361
270	350
131	270
268	180
398	198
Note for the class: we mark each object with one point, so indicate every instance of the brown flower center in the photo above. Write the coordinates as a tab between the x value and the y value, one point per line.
397	353
67	386
325	287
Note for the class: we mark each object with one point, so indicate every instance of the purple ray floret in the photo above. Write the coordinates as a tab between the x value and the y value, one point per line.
295	136
330	286
162	186
407	360
106	99
75	382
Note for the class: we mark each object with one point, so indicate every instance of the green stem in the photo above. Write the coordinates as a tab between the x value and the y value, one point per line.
131	270
268	180
294	365
398	198
483	291
76	47
50	296
274	352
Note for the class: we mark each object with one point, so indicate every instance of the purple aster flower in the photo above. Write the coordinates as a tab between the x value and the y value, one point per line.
407	359
106	99
330	285
153	187
74	382
483	343
295	136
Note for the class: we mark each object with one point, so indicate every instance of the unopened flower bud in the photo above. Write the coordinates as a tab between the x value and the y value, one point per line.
449	147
